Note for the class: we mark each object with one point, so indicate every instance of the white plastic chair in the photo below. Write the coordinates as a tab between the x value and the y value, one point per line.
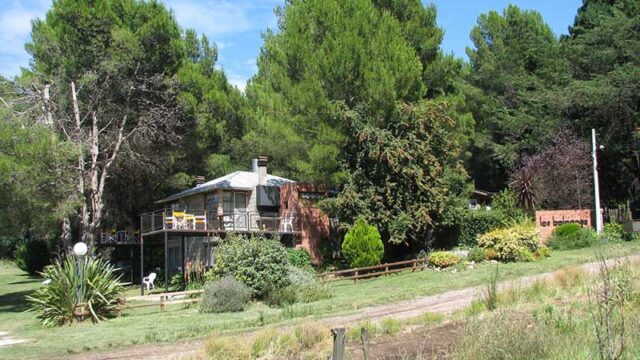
148	281
286	223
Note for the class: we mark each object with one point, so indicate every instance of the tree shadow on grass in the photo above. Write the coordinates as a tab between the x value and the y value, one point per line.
14	302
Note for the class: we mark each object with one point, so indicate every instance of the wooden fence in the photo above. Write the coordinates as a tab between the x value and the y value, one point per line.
124	303
377	270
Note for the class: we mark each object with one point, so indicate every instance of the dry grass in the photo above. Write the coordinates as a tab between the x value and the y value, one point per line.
569	277
308	340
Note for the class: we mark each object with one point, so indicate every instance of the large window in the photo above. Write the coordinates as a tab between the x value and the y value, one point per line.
234	206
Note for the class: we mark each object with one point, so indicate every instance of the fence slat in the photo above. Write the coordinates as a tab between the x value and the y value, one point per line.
415	264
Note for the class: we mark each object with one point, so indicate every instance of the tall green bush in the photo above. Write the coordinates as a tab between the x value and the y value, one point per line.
8	246
32	255
477	222
362	245
300	258
259	262
55	302
571	236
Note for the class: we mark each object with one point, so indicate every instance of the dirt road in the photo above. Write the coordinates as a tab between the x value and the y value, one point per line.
447	303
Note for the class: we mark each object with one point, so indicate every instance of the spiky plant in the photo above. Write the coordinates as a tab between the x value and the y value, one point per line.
57	302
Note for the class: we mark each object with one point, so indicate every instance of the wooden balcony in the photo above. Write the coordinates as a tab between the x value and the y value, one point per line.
199	222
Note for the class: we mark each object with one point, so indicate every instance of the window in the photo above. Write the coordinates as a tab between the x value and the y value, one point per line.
241	201
310	199
227	202
234	202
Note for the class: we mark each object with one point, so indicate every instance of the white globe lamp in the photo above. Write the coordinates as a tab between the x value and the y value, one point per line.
80	249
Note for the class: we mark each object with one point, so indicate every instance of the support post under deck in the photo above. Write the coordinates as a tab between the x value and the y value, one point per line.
166	262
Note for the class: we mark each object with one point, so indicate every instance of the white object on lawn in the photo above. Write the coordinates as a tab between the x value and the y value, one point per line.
148	281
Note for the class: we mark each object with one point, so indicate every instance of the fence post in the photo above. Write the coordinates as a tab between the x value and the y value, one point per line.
364	336
355	278
338	343
162	303
386	270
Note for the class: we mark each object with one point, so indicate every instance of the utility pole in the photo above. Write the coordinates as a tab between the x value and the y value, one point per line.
596	185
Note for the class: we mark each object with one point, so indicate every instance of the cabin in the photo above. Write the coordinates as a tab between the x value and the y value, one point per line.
190	224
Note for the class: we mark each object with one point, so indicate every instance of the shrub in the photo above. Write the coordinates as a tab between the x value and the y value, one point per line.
8	246
524	255
511	242
362	245
300	258
303	287
477	254
477	222
32	255
259	262
57	301
542	252
612	232
443	259
225	295
571	236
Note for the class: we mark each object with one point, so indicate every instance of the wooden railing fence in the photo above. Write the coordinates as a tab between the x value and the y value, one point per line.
124	303
356	274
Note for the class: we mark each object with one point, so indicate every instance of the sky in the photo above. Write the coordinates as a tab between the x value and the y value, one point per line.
236	26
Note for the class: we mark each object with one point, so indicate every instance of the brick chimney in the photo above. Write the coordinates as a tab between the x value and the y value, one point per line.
260	166
199	180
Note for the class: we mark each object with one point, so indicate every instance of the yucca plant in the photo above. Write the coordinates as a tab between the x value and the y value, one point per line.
57	302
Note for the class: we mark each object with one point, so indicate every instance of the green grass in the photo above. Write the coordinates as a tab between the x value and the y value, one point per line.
148	325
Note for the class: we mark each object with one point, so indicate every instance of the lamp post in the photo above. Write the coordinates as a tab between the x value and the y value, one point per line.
596	184
80	250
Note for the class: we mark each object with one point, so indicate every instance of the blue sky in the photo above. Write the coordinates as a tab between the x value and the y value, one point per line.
236	26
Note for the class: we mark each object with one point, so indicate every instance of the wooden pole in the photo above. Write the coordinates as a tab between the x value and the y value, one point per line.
338	343
141	259
364	336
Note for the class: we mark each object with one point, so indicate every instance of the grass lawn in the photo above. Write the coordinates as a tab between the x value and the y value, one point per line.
148	325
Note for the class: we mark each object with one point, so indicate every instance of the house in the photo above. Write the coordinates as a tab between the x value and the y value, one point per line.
192	222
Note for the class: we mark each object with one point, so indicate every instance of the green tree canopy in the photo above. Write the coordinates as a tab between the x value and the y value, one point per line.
515	67
603	47
327	53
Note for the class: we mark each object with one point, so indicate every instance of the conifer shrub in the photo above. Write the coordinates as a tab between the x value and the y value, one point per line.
362	245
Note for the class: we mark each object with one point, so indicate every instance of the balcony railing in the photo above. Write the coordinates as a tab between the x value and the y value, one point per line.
201	220
119	238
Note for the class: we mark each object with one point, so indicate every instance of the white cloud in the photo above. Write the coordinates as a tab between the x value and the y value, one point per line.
240	83
220	17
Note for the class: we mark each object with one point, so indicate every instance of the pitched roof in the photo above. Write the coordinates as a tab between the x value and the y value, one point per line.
239	180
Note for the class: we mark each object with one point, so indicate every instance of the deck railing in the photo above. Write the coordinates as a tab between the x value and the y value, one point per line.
200	220
119	238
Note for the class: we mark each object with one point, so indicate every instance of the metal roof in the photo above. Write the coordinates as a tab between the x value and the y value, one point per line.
239	180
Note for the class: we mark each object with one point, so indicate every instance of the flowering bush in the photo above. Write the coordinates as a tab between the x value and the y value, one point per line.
443	259
511	244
